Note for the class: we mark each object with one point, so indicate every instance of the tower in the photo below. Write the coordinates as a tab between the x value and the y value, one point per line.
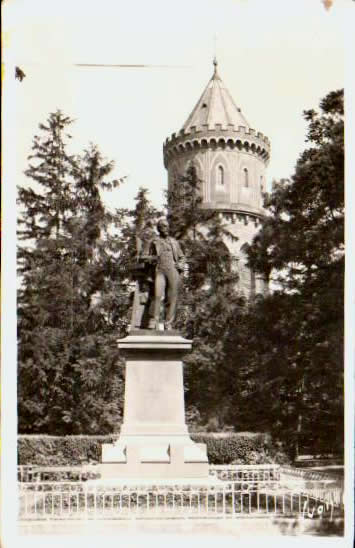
230	159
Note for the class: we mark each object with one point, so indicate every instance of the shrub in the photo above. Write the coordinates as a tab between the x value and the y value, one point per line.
225	448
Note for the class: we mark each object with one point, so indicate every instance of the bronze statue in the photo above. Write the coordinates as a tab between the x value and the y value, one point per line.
170	263
160	262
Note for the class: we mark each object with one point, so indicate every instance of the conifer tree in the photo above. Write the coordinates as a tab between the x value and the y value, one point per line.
70	304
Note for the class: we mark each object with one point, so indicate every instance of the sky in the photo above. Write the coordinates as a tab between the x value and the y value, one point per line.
277	57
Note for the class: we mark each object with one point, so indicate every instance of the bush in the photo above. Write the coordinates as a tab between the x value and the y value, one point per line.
225	448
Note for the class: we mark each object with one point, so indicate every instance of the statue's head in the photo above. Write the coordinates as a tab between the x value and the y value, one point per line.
163	227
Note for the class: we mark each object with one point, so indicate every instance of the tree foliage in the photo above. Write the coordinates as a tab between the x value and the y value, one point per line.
210	302
69	304
296	346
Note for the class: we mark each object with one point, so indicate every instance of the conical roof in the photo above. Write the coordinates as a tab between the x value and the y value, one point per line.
215	106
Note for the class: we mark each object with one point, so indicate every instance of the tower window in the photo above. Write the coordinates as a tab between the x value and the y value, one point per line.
246	177
220	176
261	183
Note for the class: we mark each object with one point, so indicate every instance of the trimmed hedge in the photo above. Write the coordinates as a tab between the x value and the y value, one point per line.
235	449
60	450
76	450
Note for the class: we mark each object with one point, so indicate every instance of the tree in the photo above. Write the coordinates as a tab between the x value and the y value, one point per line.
209	301
295	366
132	222
71	308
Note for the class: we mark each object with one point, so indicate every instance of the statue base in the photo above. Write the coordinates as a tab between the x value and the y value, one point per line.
154	440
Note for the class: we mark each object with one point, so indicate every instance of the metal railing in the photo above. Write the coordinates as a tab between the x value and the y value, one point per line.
82	500
38	473
245	472
312	475
230	472
66	492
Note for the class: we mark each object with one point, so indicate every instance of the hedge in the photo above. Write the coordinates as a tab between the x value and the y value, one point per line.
61	450
76	450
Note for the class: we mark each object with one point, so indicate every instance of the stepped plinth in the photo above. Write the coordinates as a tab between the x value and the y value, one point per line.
154	440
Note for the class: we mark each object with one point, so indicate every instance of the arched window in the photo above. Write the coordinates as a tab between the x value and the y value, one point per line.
220	176
246	177
261	183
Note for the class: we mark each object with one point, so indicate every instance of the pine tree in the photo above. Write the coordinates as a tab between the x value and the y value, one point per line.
133	222
70	304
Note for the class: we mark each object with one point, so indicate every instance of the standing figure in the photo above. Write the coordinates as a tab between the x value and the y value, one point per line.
169	265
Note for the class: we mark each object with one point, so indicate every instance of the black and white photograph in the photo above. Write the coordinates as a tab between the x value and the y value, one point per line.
177	348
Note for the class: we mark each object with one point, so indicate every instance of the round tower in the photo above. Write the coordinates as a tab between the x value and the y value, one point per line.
230	159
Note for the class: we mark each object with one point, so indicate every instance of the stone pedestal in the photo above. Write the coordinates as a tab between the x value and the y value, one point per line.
154	441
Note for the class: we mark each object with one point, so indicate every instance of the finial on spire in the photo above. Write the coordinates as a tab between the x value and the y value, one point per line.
215	63
215	56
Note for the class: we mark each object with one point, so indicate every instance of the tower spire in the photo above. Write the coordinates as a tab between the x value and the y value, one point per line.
230	158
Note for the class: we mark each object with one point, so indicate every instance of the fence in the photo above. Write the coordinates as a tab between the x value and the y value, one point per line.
230	472
243	491
79	500
312	475
37	473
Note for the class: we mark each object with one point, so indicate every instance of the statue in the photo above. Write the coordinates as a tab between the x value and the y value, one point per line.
159	263
170	262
